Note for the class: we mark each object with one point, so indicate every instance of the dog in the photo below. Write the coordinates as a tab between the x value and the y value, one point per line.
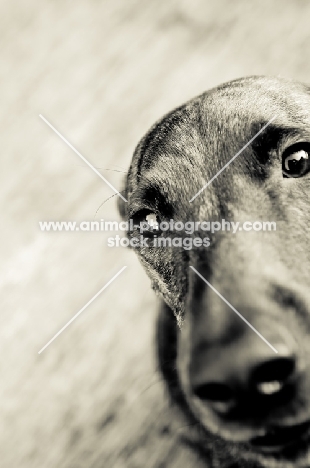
233	331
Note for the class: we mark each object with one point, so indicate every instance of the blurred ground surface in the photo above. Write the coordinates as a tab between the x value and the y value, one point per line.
101	72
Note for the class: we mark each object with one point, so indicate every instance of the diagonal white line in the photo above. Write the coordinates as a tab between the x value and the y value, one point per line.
83	308
235	310
232	159
82	157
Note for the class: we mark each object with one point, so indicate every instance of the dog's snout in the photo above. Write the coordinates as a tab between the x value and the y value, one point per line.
244	377
244	363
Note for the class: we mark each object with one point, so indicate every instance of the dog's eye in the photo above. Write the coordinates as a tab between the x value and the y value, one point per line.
147	221
296	161
152	220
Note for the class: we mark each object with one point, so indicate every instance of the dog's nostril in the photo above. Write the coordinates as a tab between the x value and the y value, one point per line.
270	377
214	392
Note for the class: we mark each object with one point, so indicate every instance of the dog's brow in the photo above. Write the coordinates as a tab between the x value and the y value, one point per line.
275	137
152	196
232	159
278	132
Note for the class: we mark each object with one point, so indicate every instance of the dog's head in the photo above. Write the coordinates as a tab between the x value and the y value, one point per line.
241	293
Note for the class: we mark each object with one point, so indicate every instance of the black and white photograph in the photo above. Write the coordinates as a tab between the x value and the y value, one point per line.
155	234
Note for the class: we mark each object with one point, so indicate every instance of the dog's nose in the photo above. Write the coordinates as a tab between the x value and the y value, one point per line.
244	377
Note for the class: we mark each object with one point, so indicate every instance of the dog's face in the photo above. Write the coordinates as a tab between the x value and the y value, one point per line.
255	400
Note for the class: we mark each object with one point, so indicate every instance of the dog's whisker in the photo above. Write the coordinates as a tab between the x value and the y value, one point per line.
156	382
101	169
109	198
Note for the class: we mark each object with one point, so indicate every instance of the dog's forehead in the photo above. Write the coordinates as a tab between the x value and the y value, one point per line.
191	144
226	114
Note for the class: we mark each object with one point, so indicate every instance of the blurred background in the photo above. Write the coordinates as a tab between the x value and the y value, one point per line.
101	72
